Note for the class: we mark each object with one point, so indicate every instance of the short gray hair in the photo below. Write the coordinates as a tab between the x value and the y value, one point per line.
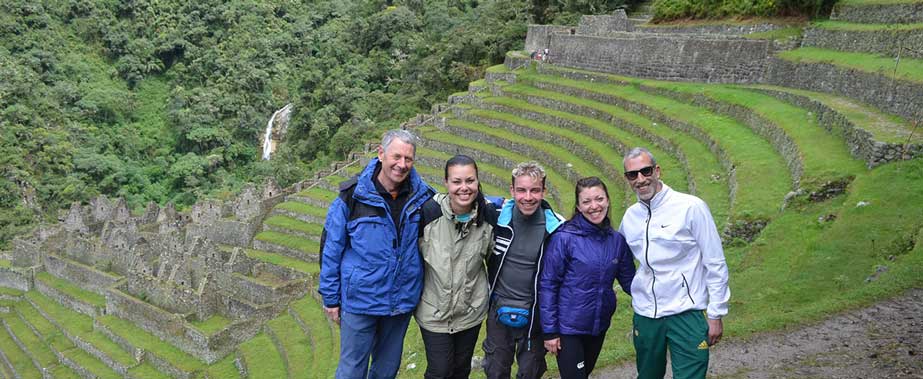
401	134
636	152
531	169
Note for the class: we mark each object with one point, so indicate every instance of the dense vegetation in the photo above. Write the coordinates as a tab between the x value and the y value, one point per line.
164	100
698	9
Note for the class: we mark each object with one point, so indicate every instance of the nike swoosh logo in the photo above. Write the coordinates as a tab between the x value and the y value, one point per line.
664	226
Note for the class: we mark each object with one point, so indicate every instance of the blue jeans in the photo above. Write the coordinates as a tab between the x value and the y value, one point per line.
378	337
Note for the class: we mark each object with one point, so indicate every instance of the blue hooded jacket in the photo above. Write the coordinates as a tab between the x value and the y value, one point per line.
581	265
366	268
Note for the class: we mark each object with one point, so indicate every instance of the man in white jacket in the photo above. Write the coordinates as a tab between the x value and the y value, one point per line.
680	291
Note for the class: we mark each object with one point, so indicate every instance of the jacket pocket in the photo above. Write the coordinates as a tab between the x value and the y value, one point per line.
686	287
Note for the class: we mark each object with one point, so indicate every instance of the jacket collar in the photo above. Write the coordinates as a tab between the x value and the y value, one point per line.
446	205
660	197
552	220
579	225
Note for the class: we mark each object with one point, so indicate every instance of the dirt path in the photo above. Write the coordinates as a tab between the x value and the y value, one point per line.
882	341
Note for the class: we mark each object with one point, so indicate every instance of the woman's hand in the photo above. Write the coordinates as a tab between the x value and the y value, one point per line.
553	346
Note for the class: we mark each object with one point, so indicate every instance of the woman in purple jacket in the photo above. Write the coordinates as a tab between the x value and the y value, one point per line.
585	256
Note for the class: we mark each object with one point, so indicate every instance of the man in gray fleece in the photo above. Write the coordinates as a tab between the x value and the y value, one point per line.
523	227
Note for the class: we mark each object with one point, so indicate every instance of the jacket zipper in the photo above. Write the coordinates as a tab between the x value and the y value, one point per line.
686	284
647	244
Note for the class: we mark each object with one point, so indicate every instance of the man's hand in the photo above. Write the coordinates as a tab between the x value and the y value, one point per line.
715	330
334	314
553	346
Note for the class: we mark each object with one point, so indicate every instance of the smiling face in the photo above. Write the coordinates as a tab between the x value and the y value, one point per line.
462	185
645	186
528	193
396	162
593	204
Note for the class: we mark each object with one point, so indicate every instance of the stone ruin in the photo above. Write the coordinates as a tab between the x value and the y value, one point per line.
164	270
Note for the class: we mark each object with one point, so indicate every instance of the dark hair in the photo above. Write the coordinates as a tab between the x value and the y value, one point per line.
589	182
464	160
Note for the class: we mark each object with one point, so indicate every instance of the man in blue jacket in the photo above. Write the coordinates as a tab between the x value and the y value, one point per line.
371	275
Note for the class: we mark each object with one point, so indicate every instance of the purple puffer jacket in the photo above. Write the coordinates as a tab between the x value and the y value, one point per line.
578	271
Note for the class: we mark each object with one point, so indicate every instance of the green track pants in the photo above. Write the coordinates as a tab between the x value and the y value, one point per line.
686	334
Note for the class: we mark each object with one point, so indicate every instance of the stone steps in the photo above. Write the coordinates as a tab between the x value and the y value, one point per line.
761	174
444	141
892	40
898	12
872	79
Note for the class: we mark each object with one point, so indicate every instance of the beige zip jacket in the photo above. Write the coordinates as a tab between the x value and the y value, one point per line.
455	290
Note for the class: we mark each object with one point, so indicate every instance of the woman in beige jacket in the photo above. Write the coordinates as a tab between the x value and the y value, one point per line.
456	236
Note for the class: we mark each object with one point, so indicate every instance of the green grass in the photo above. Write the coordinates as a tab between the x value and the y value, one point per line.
824	156
212	324
91	364
777	34
908	69
336	179
45	328
5	263
858	27
762	176
146	371
281	260
10	292
318	193
294	224
141	338
554	179
78	325
297	345
294	242
37	348
500	68
302	208
225	368
875	2
326	341
263	360
21	362
63	372
884	127
585	168
71	290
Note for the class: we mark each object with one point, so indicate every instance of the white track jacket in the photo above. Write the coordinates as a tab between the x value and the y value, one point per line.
682	264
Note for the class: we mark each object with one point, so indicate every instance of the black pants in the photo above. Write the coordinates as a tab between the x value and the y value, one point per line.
449	355
504	343
578	355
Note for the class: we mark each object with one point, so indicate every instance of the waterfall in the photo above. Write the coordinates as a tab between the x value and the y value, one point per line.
267	137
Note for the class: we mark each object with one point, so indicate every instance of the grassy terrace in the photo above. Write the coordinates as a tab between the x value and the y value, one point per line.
762	175
318	193
294	224
601	150
909	69
302	208
141	338
212	325
223	369
554	179
71	290
91	364
287	240
579	166
21	362
146	371
884	127
262	358
824	156
37	348
777	34
858	27
77	325
324	338
296	346
277	260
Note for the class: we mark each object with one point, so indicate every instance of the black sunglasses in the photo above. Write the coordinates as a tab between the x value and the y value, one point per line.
646	171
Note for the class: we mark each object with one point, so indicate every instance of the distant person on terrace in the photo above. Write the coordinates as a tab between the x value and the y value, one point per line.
680	292
371	275
585	256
